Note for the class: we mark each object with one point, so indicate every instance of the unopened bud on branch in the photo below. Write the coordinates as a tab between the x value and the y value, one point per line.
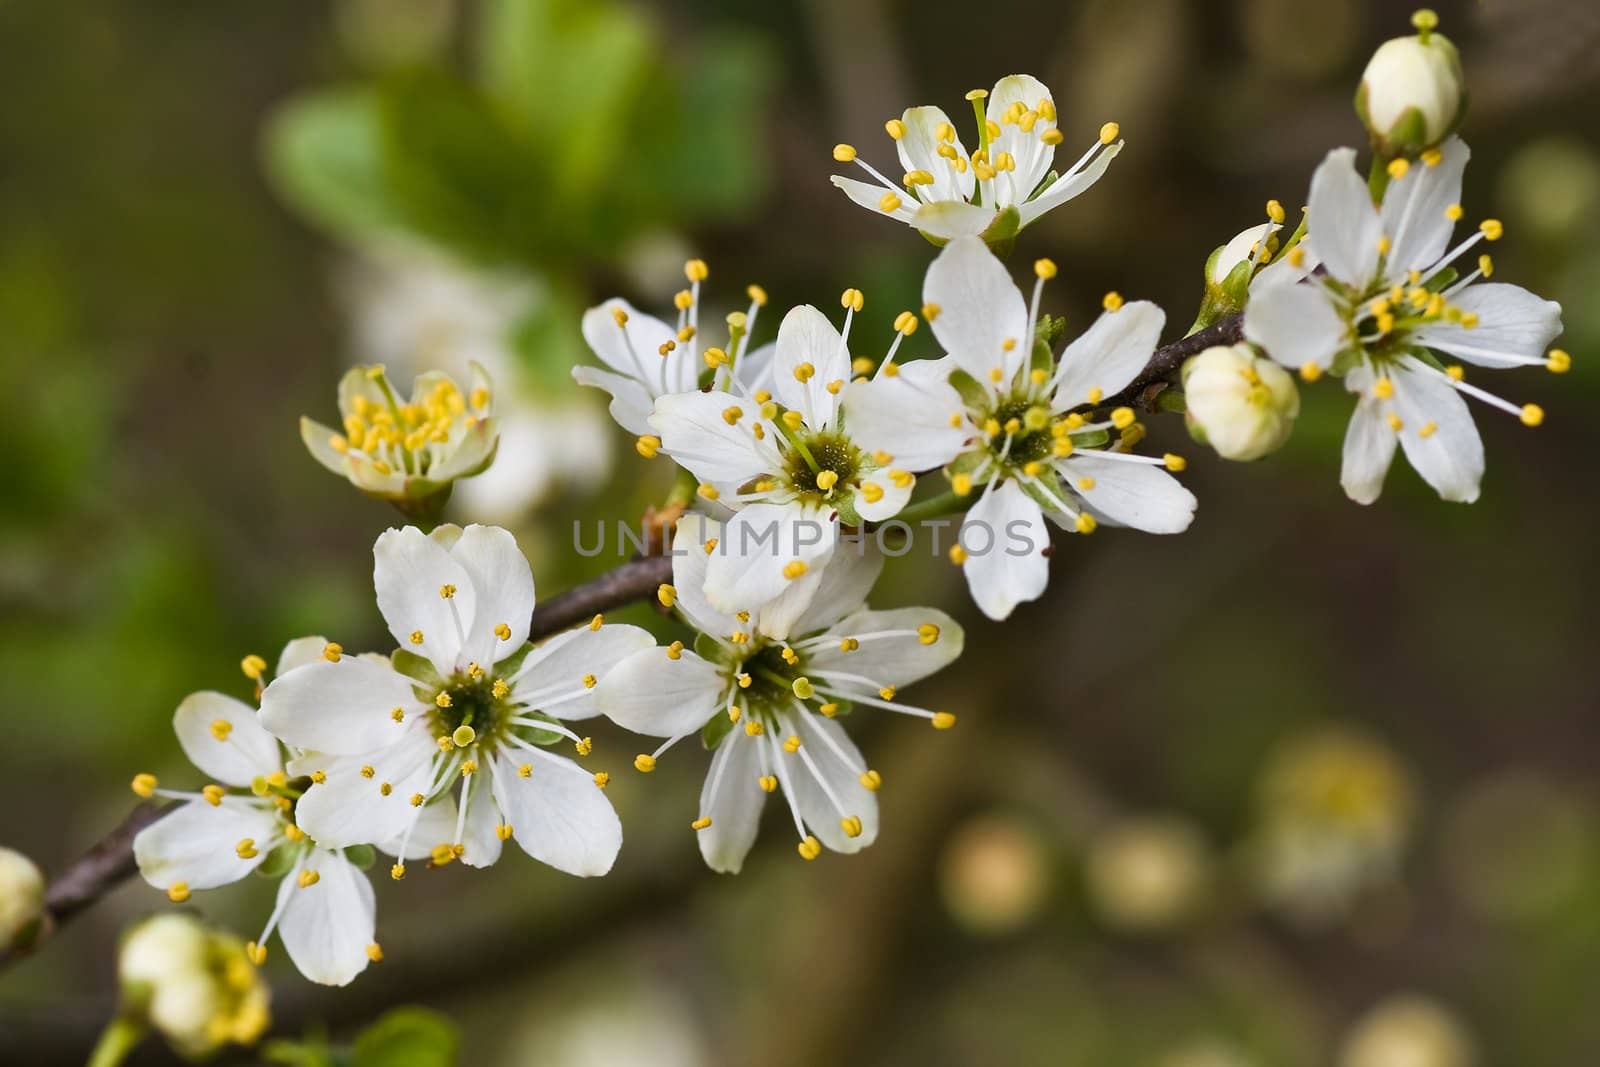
1412	94
1240	404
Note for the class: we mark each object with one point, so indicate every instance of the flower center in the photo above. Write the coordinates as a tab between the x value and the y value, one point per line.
1017	429
467	709
816	463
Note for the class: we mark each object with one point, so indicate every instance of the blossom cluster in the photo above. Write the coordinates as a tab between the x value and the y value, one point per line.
465	734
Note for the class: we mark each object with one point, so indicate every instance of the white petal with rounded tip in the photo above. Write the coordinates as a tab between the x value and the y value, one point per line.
299	652
747	568
652	693
195	843
634	350
502	583
1005	537
733	801
919	150
327	926
435	824
754	368
1069	186
317	437
1451	457
870	194
689	561
694	432
409	571
908	414
1033	157
559	815
1513	326
350	808
562	664
847	580
806	337
949	220
1296	324
1139	495
980	309
344	708
1368	442
631	403
1342	220
1109	354
842	777
894	496
1413	211
248	751
897	660
481	840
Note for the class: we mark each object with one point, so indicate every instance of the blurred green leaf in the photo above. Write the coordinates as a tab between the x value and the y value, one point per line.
407	1037
325	153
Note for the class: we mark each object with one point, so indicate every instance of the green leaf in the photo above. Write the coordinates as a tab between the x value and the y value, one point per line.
407	1037
325	155
715	729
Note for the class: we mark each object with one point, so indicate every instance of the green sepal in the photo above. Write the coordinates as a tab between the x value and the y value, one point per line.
1044	488
707	647
848	515
1172	399
1090	438
1001	233
417	668
534	735
508	666
1439	281
716	728
1427	356
363	856
278	861
424	504
965	463
973	392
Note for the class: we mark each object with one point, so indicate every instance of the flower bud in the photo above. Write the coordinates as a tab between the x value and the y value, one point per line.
194	984
1240	404
1408	1029
1412	94
22	914
1148	874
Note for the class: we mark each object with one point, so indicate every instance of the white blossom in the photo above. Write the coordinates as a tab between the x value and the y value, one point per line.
766	698
1006	183
1412	92
442	753
325	912
1390	306
1001	415
1240	404
193	984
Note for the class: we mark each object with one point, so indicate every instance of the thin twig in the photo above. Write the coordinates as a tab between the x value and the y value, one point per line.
638	579
1166	361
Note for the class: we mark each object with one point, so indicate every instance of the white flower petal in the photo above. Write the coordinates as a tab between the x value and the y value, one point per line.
1450	458
894	494
652	693
1295	324
948	220
344	708
318	441
559	815
1069	186
1139	495
195	843
1513	326
1032	156
248	749
870	196
410	569
848	578
299	652
1413	212
1342	220
631	402
754	368
350	807
1109	354
733	801
908	415
565	666
1005	537
327	926
502	583
480	835
694	432
840	777
919	150
634	349
1368	442
980	309
747	569
689	562
435	823
807	339
889	660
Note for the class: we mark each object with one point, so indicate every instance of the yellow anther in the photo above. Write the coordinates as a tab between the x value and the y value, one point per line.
1383	388
595	623
991	427
368	771
793	420
1427	430
221	728
444	743
1085	523
889	203
1398	167
943	720
734	713
732	414
794	569
619	316
871	492
849	644
398	871
416	800
375	952
835	386
291	831
332	651
752	728
791	744
1086	483
843	153
827	479
739	637
767	782
1122	418
590	681
714	357
870	780
851	825
675	650
958	555
1492	229
1532	414
1275	211
246	848
178	892
1110	132
961	484
757	295
685	334
415	637
1310	371
1174	462
1052	136
463	736
809	849
1486	265
894	128
1033	468
905	323
1384	245
385	789
1395	422
1456	372
853	299
1558	361
144	785
602	779
308	878
253	667
644	763
1044	268
683	300
440	855
710	546
213	794
829	710
696	270
701	823
1111	301
1454	212
744	680
931	311
442	700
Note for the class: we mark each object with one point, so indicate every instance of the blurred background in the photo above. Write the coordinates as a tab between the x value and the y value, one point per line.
1313	784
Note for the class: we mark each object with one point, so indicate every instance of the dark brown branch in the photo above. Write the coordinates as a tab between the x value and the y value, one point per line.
1166	361
637	579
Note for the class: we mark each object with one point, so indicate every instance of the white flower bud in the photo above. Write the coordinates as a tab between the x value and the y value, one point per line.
1239	250
1148	873
1412	93
1240	404
1409	1030
21	899
193	984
